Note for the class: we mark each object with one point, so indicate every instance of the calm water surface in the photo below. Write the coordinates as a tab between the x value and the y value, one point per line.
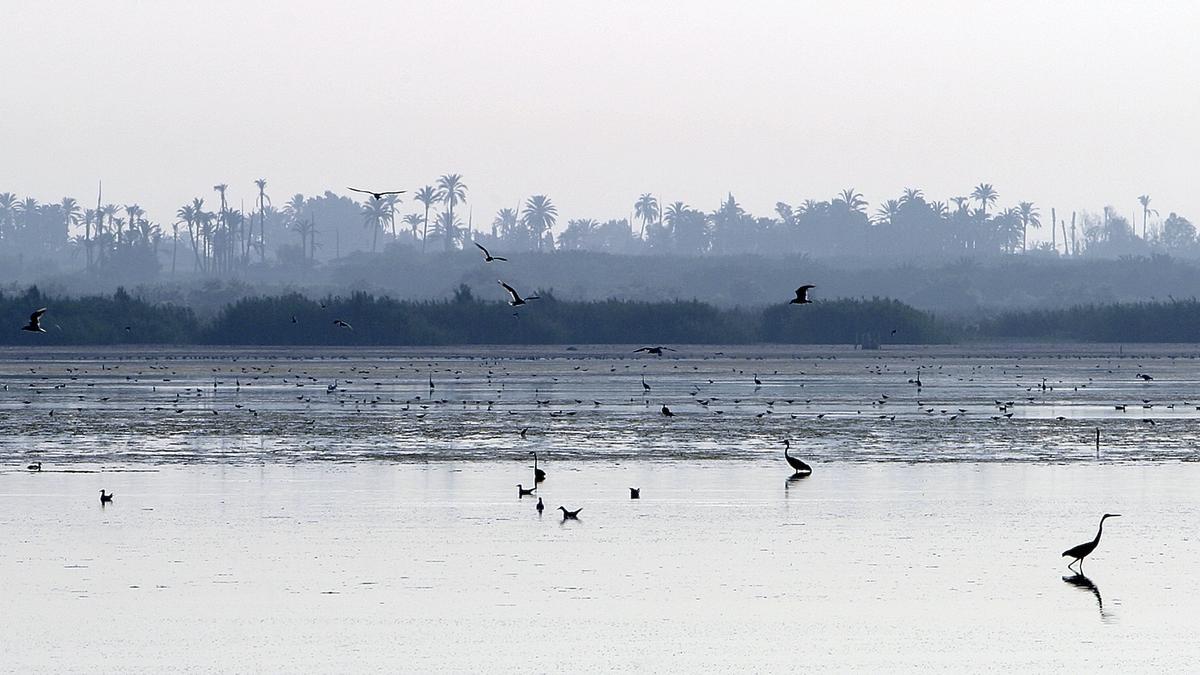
365	529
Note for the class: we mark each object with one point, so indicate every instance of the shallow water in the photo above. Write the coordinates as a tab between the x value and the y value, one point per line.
232	406
722	565
273	523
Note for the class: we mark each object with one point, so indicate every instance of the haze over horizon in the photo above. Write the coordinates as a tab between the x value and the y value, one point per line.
1071	106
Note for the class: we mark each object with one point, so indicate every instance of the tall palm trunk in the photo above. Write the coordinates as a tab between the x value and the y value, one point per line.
425	229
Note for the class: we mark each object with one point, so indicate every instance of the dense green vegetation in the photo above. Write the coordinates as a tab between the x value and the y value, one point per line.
294	319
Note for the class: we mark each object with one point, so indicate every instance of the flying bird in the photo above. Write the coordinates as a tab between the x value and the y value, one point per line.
657	351
377	195
488	257
35	322
802	295
342	324
1084	550
516	300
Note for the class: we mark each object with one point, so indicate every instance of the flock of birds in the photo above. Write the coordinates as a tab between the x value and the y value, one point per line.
800	468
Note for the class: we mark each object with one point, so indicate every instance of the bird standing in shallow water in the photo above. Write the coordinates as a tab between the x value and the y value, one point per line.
540	506
635	493
106	498
538	474
522	492
1084	550
667	412
36	466
569	515
801	468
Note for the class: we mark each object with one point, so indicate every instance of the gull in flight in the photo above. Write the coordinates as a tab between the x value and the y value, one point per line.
516	300
487	257
802	295
35	322
342	324
377	195
657	351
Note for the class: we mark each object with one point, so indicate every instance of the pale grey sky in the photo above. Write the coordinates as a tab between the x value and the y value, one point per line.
1068	104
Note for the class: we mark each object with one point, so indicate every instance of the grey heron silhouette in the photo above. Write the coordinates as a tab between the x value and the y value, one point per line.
538	474
1085	549
801	468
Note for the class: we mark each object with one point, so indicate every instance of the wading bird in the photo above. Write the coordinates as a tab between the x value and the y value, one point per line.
1084	550
802	295
570	515
106	498
377	195
540	506
538	474
800	467
516	300
635	493
522	492
36	466
35	322
667	412
488	257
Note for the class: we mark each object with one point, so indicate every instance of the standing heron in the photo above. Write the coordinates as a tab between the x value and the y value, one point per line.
801	468
1084	550
538	474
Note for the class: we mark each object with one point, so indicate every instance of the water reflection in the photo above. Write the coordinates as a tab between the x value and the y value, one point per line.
1082	582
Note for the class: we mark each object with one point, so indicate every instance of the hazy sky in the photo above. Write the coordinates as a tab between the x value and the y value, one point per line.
1072	105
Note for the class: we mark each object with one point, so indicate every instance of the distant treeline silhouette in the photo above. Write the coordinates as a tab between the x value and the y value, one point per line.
295	319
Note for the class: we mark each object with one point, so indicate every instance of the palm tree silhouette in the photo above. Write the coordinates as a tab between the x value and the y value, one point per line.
70	211
263	201
505	224
1029	217
646	209
8	214
449	229
887	212
539	216
985	194
853	200
1144	200
911	195
375	214
451	191
413	220
427	196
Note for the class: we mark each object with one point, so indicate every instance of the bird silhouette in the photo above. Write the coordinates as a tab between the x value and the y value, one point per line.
635	493
540	506
657	351
667	411
36	466
569	515
377	195
802	295
35	322
342	324
522	492
800	467
106	498
515	300
488	257
538	474
1085	549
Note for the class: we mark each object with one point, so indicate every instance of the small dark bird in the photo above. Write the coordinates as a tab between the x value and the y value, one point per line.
377	195
488	257
35	322
757	382
570	515
36	466
1145	377
802	295
540	506
342	324
294	319
800	467
657	351
516	300
106	498
635	493
524	431
1084	550
522	492
667	412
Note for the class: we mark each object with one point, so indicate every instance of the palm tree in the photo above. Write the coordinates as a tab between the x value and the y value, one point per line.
577	235
375	214
504	225
263	201
911	195
1144	200
451	191
539	216
646	209
1030	217
985	194
449	229
427	196
887	212
133	213
853	200
71	213
223	221
294	209
8	213
413	220
960	203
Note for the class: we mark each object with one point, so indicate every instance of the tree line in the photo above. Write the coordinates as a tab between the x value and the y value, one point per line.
295	319
211	236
